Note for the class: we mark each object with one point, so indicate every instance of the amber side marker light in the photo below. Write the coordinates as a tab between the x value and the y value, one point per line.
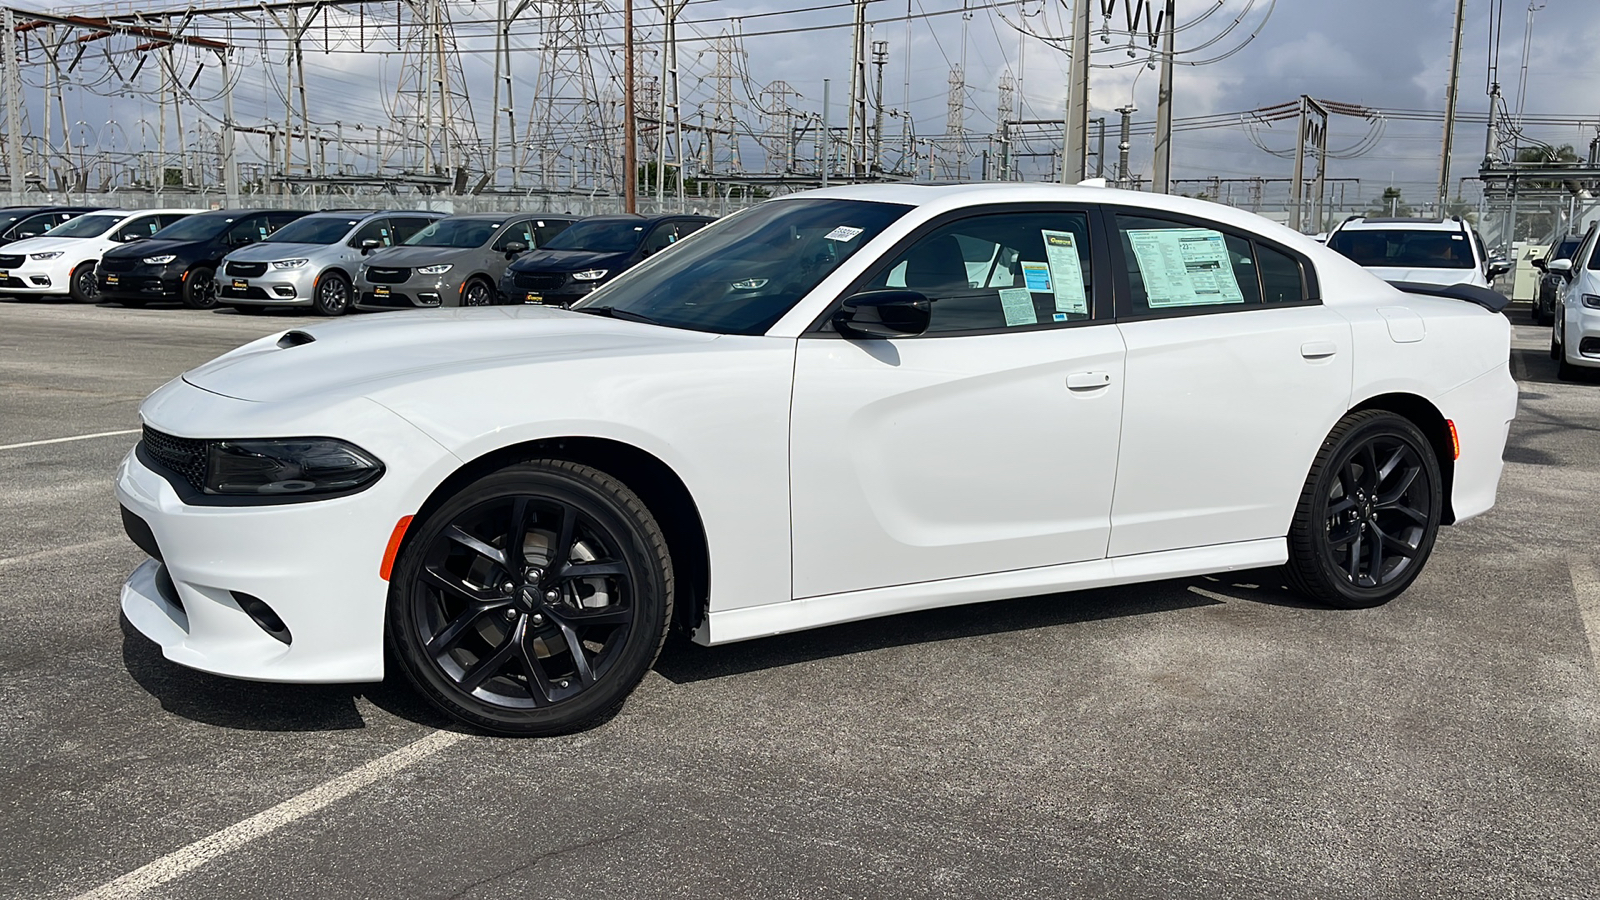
1455	439
399	533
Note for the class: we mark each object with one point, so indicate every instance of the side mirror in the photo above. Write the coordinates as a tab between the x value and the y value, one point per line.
515	247
884	314
369	245
1538	263
1499	266
1562	267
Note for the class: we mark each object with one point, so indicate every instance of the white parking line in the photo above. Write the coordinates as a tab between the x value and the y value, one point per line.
79	437
1586	587
184	860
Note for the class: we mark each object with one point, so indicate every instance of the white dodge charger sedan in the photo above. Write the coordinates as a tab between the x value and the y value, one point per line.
836	405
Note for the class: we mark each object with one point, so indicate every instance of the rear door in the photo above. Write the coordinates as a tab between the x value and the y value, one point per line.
1235	374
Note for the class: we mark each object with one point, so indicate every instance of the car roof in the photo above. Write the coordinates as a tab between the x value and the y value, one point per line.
1399	224
638	219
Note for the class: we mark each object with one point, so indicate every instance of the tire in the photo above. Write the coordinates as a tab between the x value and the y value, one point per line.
1348	501
1567	371
524	657
1543	315
200	288
1555	346
83	285
332	295
478	292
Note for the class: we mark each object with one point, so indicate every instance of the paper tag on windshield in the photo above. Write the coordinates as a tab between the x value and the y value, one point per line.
1017	304
843	233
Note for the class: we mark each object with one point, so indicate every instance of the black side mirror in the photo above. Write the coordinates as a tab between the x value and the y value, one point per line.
1538	263
369	245
515	247
884	314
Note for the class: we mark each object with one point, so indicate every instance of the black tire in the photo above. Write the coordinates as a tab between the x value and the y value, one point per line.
1543	315
1369	512
478	292
200	288
1567	371
84	284
524	656
332	295
1555	346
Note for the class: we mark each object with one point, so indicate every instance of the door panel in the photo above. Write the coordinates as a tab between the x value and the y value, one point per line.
927	458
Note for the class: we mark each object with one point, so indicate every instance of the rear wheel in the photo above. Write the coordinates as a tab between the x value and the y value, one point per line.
332	295
1368	514
84	285
477	293
534	601
200	288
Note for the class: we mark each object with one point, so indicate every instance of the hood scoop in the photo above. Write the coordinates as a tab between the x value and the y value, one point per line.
294	339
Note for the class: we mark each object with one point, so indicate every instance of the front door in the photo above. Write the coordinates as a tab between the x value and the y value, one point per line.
989	443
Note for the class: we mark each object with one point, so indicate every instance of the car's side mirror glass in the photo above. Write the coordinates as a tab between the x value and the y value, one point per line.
884	314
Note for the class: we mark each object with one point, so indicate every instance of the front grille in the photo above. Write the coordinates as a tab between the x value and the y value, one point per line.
185	456
118	264
11	282
13	261
539	281
387	276
247	269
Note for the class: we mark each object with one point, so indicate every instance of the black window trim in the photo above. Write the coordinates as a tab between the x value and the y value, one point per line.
1101	310
1309	287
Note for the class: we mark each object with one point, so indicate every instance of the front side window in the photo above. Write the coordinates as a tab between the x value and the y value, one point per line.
997	272
197	228
376	230
545	232
662	237
1403	248
520	232
35	225
142	227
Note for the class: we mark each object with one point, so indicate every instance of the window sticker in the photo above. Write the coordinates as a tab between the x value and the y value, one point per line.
1017	303
1036	276
1058	317
1066	272
1184	267
844	234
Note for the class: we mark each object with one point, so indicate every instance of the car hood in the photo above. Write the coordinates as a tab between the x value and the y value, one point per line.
42	244
267	251
412	257
1426	276
365	355
149	247
568	261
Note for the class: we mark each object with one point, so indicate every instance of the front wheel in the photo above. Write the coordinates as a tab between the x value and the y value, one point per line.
332	295
200	288
1368	514
477	293
534	601
85	284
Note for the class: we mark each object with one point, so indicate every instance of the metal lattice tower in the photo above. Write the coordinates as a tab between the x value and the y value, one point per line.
955	120
723	128
433	119
779	115
566	126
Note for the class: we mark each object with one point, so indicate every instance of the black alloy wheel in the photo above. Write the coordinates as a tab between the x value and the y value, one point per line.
477	293
332	295
534	601
200	288
85	283
1369	513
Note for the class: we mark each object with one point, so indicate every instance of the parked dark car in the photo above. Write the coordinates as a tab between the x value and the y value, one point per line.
456	261
180	262
18	223
1547	298
591	253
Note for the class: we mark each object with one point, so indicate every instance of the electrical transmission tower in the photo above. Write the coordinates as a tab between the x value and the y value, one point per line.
955	120
565	126
778	139
724	123
432	113
1003	111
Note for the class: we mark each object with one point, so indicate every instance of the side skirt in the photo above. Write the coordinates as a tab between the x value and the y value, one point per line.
831	609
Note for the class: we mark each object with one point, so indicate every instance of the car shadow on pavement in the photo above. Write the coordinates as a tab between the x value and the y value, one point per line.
685	662
260	706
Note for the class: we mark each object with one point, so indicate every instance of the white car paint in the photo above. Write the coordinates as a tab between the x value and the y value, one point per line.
1579	318
835	479
53	277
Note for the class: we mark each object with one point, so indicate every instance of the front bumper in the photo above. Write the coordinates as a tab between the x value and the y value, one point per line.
314	565
416	292
146	283
285	287
564	294
1580	335
51	277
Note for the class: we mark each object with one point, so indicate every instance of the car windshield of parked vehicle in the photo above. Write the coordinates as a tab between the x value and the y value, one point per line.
455	233
314	230
1399	248
1566	248
600	237
743	273
195	228
86	226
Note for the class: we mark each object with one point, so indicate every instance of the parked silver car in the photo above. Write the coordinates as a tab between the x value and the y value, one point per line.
313	261
453	262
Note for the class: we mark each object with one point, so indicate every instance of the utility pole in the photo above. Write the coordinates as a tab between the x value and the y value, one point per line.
669	89
1100	154
1124	178
1006	92
13	88
1163	155
230	156
1075	130
880	57
1450	108
856	119
630	165
827	137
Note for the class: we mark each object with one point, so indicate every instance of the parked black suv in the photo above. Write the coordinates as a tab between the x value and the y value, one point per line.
18	223
591	253
1547	297
180	262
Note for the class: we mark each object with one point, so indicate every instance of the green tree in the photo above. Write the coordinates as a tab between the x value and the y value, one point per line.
1390	204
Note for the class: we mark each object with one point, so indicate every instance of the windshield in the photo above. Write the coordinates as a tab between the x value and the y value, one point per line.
195	228
86	226
599	237
741	274
455	233
314	230
1401	248
1566	248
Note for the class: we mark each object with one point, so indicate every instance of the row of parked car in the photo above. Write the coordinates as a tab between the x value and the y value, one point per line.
331	261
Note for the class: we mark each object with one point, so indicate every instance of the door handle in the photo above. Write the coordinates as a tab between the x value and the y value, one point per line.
1318	349
1087	381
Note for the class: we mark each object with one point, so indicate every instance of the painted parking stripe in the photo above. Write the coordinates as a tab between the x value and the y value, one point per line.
78	437
1586	587
184	860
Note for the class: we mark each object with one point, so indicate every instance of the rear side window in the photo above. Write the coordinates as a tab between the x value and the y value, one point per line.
1281	278
1173	266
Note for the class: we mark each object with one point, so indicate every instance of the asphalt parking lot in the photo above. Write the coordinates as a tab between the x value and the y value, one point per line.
1191	738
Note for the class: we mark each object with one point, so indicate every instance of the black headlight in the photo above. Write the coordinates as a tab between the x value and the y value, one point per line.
282	466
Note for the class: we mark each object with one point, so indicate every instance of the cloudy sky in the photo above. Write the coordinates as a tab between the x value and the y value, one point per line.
1383	54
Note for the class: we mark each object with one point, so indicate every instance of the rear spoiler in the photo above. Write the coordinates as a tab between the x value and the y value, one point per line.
1493	301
